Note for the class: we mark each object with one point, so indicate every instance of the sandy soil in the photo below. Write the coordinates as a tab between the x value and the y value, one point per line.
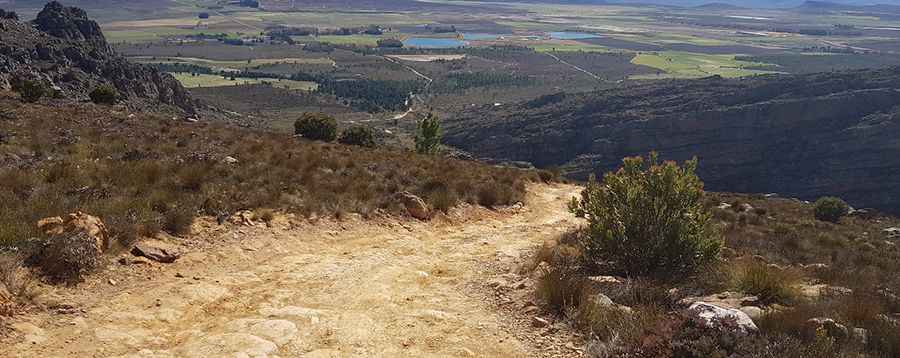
354	288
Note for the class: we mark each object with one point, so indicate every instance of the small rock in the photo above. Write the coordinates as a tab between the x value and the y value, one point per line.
539	322
111	282
230	160
605	279
156	251
712	316
892	232
752	311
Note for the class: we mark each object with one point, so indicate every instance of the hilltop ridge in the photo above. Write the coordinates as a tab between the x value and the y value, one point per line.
66	51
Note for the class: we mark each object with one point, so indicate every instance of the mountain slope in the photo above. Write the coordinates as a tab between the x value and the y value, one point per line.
65	50
805	135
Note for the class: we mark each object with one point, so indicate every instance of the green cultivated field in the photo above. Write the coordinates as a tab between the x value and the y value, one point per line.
203	80
674	64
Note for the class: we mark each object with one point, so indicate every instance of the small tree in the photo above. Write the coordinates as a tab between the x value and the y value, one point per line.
428	135
316	126
104	94
31	91
648	218
358	135
831	209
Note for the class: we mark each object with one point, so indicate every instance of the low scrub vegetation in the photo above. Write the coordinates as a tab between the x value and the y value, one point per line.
143	174
775	256
104	94
831	209
316	126
358	135
647	218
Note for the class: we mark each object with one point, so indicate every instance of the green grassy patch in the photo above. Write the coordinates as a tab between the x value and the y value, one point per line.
676	64
204	80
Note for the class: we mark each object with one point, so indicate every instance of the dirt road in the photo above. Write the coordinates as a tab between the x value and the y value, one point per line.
333	289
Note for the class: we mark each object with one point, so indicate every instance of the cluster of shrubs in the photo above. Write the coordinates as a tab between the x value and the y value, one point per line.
322	127
32	91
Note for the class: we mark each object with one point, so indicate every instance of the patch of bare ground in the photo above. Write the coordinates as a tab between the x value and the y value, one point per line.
308	287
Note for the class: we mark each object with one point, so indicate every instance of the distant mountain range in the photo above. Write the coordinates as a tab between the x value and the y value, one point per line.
732	3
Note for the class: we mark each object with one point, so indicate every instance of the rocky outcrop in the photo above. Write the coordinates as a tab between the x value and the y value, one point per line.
66	51
802	136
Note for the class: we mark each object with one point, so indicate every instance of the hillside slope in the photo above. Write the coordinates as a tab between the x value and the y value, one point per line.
65	50
805	135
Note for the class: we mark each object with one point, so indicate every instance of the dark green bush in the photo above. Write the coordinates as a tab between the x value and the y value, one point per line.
428	135
358	135
831	209
648	219
104	94
31	91
316	126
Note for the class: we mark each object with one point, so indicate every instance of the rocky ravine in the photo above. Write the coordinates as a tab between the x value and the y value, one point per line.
804	136
65	50
382	288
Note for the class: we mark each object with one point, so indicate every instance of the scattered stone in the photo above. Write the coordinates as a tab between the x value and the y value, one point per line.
414	205
823	290
833	329
753	312
710	315
892	232
538	322
602	300
605	279
860	336
156	251
229	345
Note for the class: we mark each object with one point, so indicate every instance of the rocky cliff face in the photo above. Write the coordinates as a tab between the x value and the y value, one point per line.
804	136
65	50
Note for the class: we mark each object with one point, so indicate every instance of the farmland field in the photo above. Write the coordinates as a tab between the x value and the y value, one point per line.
203	80
462	54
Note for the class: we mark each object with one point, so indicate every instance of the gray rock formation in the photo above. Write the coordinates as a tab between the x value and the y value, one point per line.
65	50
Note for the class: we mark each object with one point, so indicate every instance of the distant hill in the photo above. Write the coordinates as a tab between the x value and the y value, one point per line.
65	50
805	136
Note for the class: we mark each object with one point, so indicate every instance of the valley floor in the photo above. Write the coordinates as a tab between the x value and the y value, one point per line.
382	288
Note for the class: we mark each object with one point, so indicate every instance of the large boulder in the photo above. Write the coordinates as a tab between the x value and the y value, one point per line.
92	226
713	316
414	205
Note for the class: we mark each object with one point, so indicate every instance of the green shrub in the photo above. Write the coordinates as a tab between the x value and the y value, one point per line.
316	126
831	209
31	91
428	135
358	135
104	94
648	219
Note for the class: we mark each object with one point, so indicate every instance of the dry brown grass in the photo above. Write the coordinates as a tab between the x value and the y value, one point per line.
143	173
